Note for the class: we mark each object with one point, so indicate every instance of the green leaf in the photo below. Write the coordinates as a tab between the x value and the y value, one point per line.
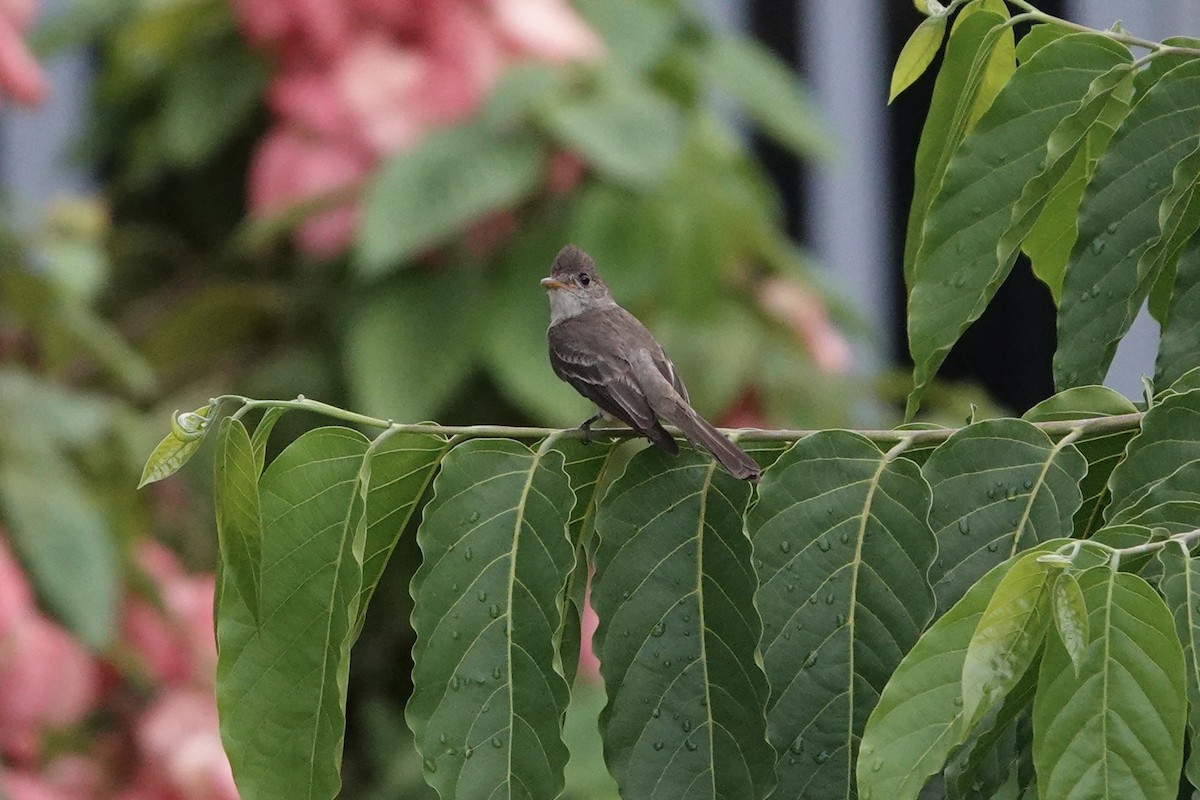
169	455
918	53
1179	346
425	195
1008	637
628	132
678	633
1107	279
978	61
262	434
1101	450
636	34
487	702
918	720
412	342
1178	220
995	186
841	546
239	519
768	91
1070	617
1180	585
281	683
401	468
1166	450
999	487
1116	729
65	541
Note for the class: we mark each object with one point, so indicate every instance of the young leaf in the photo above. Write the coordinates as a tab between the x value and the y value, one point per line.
918	719
982	211
678	633
1008	637
401	468
1178	219
978	61
999	487
239	520
262	433
1169	441
487	702
187	433
450	179
1070	617
1180	585
1179	346
1115	730
918	54
1106	280
1102	451
841	545
281	681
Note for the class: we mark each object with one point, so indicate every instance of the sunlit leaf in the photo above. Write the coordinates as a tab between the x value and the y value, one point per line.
239	519
1161	465
169	455
918	54
262	433
1070	617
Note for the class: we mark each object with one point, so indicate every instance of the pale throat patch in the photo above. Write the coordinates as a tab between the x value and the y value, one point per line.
565	304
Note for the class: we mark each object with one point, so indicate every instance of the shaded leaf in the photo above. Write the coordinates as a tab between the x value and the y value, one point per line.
999	487
1180	585
281	682
239	519
918	53
487	702
1169	441
841	545
1106	279
1101	450
636	34
178	446
1116	729
995	185
679	632
450	179
1179	346
262	434
1178	220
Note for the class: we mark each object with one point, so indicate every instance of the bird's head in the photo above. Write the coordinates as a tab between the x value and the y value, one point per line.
574	285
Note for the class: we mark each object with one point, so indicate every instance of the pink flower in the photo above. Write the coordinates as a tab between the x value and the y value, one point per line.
16	598
180	740
546	30
589	664
20	76
47	680
803	312
324	25
27	786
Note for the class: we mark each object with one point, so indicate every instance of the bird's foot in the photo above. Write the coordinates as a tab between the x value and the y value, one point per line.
586	427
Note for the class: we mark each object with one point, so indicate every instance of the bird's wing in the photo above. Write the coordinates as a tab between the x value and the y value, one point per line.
598	373
640	338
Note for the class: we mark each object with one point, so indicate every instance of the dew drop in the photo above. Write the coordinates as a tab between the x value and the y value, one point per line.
976	210
443	738
474	517
791	587
993	547
430	765
877	765
494	611
841	619
482	597
659	745
497	742
470	751
1112	227
468	554
455	635
455	682
787	635
659	629
964	526
822	757
1028	485
810	661
1011	493
829	599
1098	245
453	751
690	745
667	664
497	673
960	280
797	746
785	546
656	713
823	544
687	725
958	702
812	599
845	537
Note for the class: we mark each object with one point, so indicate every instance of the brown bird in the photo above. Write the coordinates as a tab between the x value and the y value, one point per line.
611	359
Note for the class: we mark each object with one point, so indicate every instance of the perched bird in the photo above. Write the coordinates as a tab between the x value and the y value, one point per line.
611	359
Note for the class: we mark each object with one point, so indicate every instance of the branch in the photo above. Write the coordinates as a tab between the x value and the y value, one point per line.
1037	15
1072	429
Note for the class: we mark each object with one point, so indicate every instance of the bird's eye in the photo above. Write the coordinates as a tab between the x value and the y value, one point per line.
584	279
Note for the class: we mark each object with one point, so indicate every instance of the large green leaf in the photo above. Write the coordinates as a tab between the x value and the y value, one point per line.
401	468
412	343
239	519
1107	280
841	545
678	634
919	717
1166	450
978	61
983	209
1101	450
1180	585
281	681
450	179
487	703
628	132
769	92
1115	730
1178	220
1179	347
999	487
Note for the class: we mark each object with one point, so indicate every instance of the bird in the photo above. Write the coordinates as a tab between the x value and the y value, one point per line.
608	356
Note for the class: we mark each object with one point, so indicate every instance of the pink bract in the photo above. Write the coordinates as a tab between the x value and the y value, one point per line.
180	739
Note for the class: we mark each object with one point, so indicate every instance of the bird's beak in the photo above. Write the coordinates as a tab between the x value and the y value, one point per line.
551	283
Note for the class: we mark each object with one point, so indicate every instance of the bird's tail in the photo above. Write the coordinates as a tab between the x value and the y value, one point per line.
736	461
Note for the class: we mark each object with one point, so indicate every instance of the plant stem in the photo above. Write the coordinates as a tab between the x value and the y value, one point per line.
1034	13
1073	428
1185	539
